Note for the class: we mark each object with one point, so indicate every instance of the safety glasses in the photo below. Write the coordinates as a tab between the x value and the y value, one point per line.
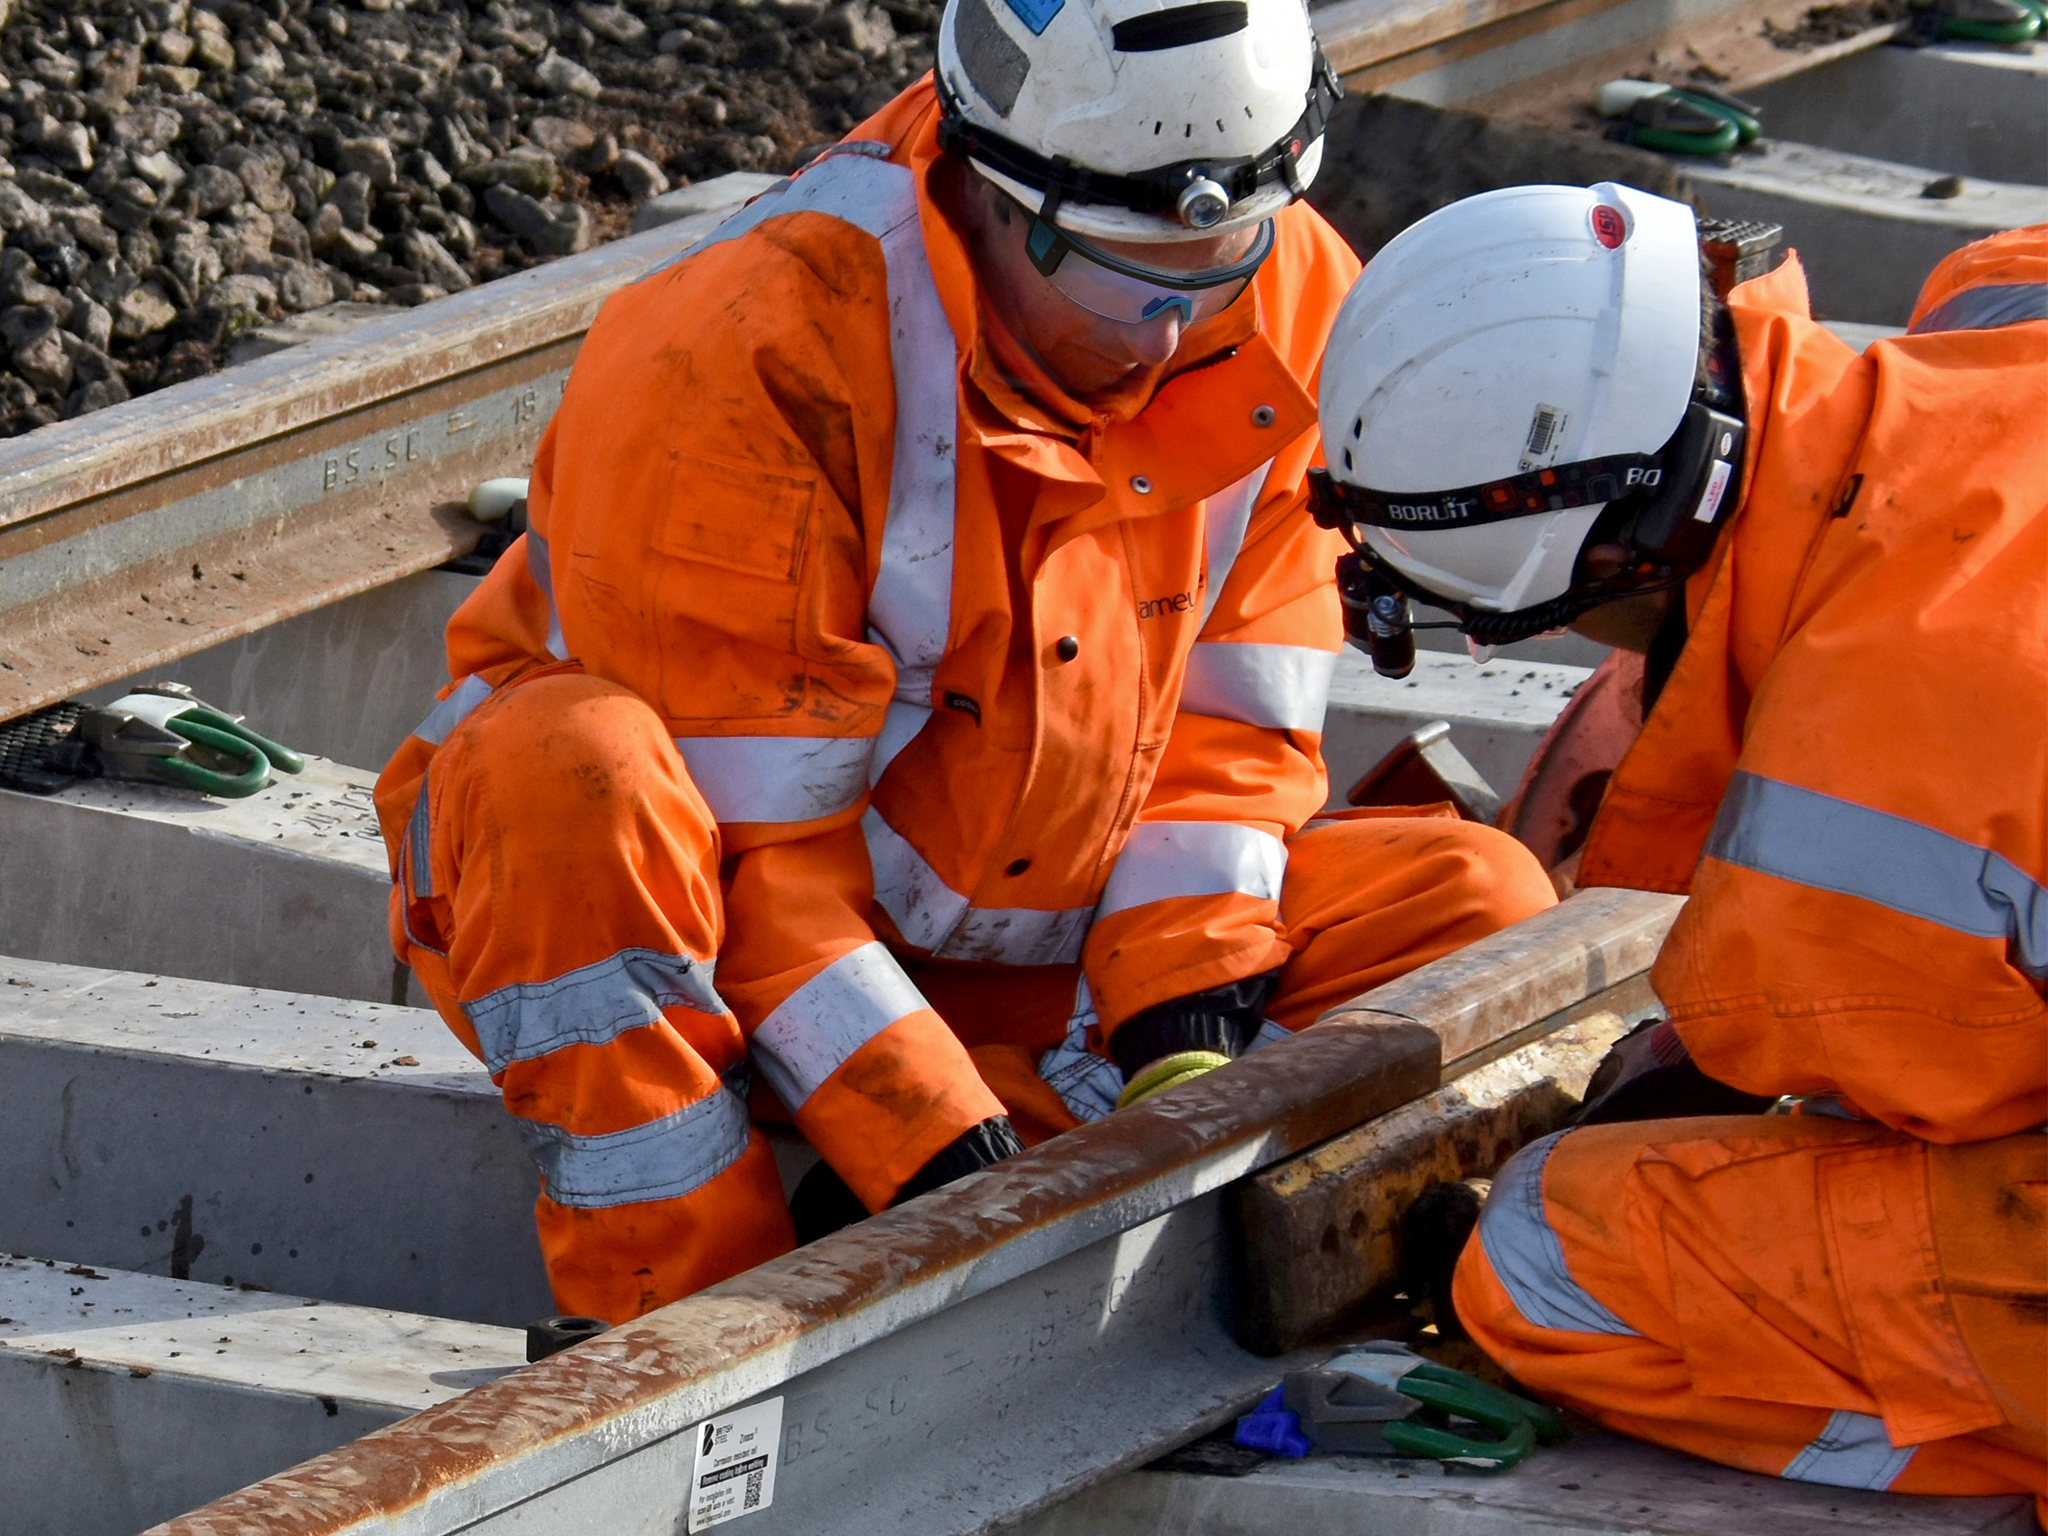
1122	290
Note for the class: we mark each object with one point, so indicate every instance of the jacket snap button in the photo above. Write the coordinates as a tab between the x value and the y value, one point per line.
1263	416
1067	648
1141	485
1017	866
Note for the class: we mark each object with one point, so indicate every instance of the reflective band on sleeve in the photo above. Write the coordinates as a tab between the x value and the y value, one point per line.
543	575
453	710
1224	522
777	778
828	1018
933	916
1088	1084
591	1005
1986	308
1281	687
657	1161
1165	859
1853	1451
1526	1255
1018	936
1836	845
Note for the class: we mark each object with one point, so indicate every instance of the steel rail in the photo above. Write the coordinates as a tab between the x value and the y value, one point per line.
975	1354
213	508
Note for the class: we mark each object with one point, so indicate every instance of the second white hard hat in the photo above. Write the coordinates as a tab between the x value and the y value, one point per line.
1142	121
1529	329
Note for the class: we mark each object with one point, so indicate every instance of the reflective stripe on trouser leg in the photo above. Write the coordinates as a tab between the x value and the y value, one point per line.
1525	1253
591	1005
657	1161
1853	1451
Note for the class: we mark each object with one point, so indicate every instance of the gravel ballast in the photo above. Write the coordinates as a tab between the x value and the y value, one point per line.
175	175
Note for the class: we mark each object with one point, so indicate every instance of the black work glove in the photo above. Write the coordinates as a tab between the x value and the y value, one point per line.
822	1203
1223	1019
1649	1075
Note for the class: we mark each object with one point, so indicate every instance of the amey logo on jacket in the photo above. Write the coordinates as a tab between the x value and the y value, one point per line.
1180	602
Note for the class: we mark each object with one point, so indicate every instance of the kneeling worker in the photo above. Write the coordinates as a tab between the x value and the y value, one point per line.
1838	567
921	620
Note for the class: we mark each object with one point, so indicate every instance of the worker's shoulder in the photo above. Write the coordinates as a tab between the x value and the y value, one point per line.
801	280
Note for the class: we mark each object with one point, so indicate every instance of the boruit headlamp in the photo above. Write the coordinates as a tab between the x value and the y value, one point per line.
1663	507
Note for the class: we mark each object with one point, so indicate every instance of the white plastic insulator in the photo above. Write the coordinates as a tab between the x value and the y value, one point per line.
494	500
1616	97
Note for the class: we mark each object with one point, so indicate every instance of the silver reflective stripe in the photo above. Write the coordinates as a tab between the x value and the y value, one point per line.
777	778
900	726
1836	845
910	610
1019	936
1985	308
911	606
453	710
1269	1034
934	917
1526	1255
419	834
1088	1084
543	575
1853	1451
862	189
1224	521
588	1006
828	1018
921	905
657	1161
1282	687
1164	859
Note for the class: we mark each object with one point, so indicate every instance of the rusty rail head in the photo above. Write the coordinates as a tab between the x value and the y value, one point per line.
538	1428
1487	992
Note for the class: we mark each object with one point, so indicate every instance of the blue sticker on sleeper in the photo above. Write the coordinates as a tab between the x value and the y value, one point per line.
1036	14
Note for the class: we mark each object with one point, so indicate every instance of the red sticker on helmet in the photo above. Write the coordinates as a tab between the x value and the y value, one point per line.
1609	227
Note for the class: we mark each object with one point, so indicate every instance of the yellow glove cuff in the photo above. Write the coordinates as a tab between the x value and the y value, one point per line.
1170	1072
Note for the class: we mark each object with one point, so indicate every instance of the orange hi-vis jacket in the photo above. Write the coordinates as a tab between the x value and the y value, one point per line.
1853	747
1849	769
781	503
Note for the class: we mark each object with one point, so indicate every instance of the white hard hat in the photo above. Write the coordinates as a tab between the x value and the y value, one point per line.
1504	370
1146	121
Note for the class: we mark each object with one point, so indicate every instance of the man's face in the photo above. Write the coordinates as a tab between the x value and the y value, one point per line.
1087	354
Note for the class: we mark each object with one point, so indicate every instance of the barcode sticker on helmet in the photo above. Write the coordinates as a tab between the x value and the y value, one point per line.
1546	436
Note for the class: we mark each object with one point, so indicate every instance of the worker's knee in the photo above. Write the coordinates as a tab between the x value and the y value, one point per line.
570	757
1488	879
1436	878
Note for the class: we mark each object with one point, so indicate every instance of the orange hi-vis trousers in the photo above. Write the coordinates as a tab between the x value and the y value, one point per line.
558	896
1819	1299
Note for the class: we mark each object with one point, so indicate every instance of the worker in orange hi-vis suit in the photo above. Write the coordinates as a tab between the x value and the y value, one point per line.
1838	567
904	711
